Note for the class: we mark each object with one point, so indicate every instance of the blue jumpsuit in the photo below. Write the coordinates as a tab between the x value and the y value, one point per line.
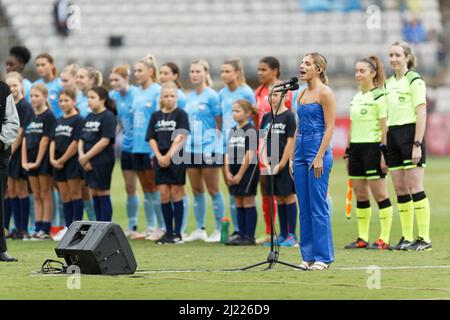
316	242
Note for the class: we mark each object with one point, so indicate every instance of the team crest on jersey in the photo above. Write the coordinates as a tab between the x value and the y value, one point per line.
363	112
148	104
401	99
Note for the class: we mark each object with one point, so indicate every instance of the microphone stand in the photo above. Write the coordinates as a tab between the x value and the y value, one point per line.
272	258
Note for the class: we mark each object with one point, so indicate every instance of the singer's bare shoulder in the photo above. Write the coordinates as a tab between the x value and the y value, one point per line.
326	96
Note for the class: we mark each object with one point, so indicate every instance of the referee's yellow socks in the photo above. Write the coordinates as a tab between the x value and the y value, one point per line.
422	211
406	211
363	214
385	212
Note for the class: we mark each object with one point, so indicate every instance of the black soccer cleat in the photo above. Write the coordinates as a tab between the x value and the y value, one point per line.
358	244
166	239
402	245
421	245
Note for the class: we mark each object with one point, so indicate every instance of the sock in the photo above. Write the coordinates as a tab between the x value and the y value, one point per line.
200	210
16	212
251	218
156	201
106	207
185	214
283	219
24	205
148	210
241	221
363	214
132	211
330	205
233	214
97	208
291	210
55	215
89	207
62	221
167	212
385	212
406	211
266	209
178	211
78	209
46	226
37	226
219	208
8	212
32	213
68	213
422	211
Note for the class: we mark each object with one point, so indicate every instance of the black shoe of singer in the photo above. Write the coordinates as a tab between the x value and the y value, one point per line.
233	241
5	257
245	241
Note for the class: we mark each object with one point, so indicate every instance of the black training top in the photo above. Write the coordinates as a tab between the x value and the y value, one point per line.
67	130
162	125
41	125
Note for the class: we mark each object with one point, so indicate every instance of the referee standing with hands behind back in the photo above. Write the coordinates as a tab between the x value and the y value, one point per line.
9	130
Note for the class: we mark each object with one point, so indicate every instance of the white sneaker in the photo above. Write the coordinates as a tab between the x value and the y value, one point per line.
214	237
143	235
58	237
198	234
155	235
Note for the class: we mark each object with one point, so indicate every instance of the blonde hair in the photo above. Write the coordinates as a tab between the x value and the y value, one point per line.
169	85
321	63
71	69
409	53
150	62
42	88
94	74
123	70
238	66
17	76
377	66
205	66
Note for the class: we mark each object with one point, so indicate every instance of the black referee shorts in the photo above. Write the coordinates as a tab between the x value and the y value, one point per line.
364	161
400	142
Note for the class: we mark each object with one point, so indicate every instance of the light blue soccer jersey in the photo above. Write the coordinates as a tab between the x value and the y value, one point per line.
54	87
27	88
202	110
145	102
124	105
82	105
227	98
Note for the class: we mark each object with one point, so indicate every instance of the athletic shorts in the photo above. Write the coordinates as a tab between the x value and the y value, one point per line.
247	180
199	161
126	161
45	167
283	183
72	170
100	177
141	162
174	174
364	161
400	141
15	170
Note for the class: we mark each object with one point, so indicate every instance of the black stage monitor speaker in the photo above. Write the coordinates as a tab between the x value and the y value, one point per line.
97	248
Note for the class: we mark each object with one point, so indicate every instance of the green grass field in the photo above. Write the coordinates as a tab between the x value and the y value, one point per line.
195	270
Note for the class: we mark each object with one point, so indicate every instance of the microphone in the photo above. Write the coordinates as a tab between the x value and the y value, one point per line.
287	82
291	87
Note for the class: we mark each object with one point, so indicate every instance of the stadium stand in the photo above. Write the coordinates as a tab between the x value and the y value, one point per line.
216	29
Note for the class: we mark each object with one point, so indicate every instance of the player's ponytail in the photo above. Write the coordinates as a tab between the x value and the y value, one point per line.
376	65
150	62
409	53
238	66
205	66
94	75
104	95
